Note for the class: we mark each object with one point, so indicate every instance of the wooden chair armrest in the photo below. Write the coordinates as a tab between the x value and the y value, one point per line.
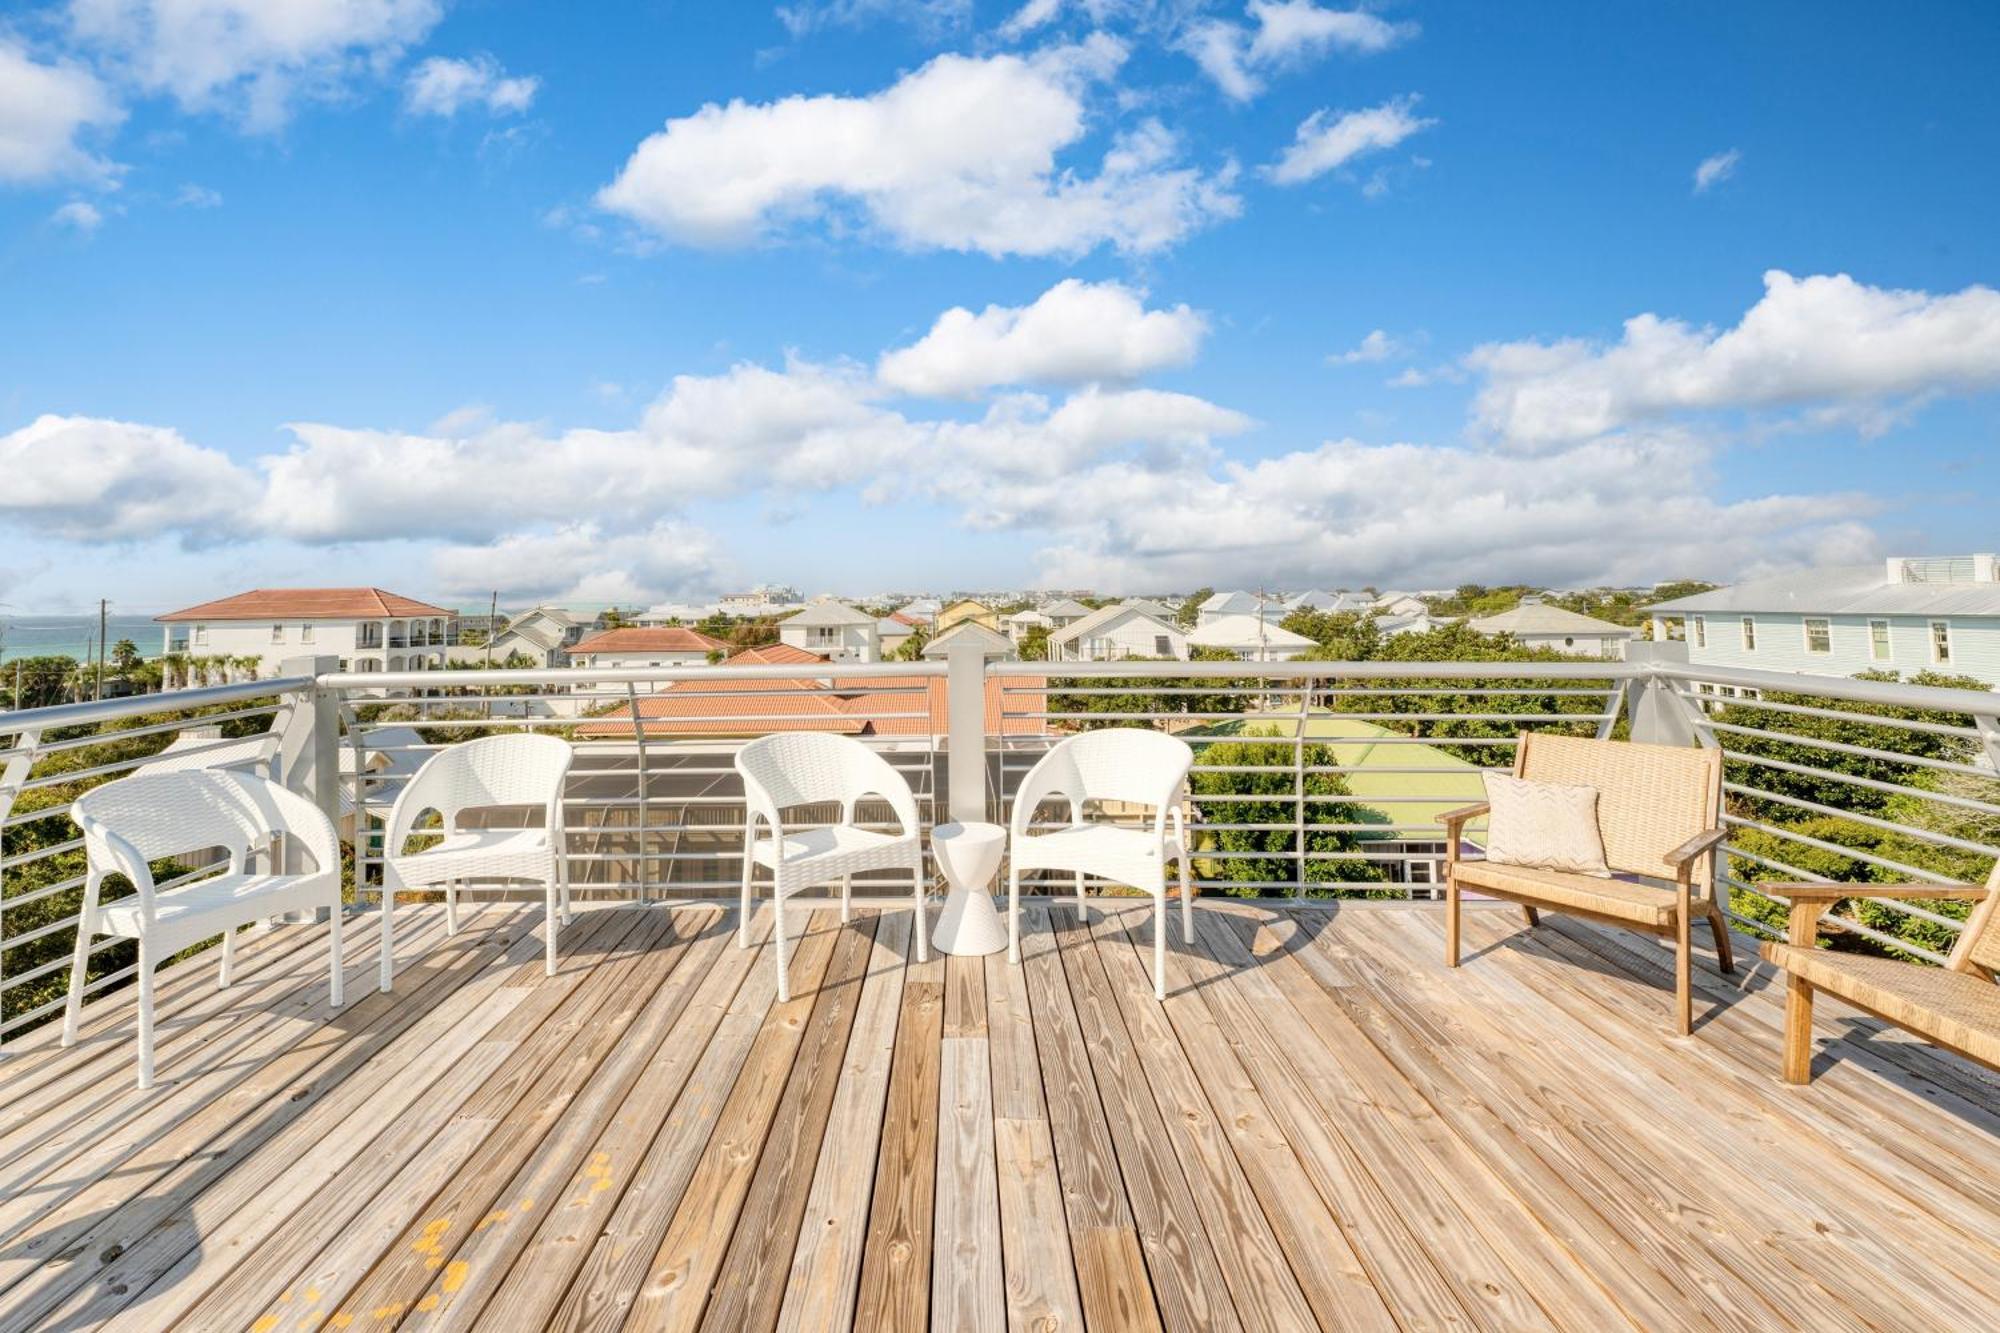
1700	843
1833	893
1453	818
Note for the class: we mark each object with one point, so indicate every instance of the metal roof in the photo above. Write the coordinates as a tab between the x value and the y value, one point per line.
1539	618
1843	590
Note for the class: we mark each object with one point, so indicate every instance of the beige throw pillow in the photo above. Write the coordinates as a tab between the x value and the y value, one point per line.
1544	824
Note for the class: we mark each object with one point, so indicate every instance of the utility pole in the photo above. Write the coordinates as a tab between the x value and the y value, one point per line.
103	608
492	626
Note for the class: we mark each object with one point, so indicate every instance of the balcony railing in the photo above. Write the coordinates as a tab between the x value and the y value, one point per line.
1312	778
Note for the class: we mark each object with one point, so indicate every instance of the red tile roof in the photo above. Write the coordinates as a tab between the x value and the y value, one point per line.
849	706
309	604
633	640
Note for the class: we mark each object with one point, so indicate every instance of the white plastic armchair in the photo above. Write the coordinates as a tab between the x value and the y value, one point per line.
1128	766
810	768
129	824
493	772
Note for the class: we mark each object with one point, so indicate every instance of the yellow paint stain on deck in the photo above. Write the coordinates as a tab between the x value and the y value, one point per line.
389	1311
312	1295
430	1241
492	1219
428	1304
599	1172
264	1324
341	1321
454	1275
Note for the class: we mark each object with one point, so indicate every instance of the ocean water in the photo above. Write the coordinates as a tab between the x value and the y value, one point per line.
72	636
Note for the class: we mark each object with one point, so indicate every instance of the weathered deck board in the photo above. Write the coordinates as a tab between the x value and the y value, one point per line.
1320	1126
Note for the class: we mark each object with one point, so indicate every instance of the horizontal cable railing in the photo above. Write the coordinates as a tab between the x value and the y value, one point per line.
1311	778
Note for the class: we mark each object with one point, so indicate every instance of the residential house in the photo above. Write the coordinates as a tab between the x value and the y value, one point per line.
968	609
544	635
1910	614
1252	638
1017	625
1063	611
1401	605
367	629
1329	601
892	632
1239	603
1128	629
834	630
639	647
766	600
895	709
1538	625
922	611
992	641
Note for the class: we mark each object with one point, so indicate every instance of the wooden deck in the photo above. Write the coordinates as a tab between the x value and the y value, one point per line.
1320	1127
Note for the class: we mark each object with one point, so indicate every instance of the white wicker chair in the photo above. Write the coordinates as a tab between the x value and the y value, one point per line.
131	823
809	768
492	772
1125	765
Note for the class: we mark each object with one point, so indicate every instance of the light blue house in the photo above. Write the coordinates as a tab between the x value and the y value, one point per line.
1909	615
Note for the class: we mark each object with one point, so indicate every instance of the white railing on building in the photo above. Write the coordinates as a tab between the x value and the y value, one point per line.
656	812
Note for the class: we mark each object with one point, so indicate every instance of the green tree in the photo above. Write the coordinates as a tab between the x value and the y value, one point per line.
44	681
1258	792
1035	644
125	657
1191	608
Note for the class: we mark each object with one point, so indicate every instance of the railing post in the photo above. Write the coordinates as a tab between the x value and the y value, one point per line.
12	775
308	756
965	717
1658	714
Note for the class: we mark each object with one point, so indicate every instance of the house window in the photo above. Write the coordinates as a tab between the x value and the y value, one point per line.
277	634
201	636
1878	640
1162	646
1701	631
823	636
1819	635
305	634
1941	642
1749	634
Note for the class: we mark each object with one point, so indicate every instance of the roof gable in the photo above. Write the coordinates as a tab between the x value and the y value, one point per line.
309	604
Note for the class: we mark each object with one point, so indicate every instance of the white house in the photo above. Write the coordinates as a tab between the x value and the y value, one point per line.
1538	625
544	633
1314	600
1223	604
1017	625
368	629
1401	605
835	631
1909	615
1063	611
1129	629
922	611
1251	638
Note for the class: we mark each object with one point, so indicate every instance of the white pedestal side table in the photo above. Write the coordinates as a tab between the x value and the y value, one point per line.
967	855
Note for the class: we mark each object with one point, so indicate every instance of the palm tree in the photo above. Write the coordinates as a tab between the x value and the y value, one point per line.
124	656
249	665
173	671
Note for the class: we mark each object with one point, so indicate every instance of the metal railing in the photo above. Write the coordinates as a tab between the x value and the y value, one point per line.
1311	778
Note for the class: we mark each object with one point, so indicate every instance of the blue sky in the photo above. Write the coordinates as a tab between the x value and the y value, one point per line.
653	303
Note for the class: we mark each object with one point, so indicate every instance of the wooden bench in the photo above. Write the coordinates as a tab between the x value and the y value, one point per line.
1956	1006
1659	813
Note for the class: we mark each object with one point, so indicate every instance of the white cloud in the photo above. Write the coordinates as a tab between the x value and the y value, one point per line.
1375	347
253	58
197	196
1825	340
1031	15
1288	35
442	86
583	563
1616	511
92	479
931	17
1715	170
78	215
1324	142
44	109
959	155
1114	485
1073	333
